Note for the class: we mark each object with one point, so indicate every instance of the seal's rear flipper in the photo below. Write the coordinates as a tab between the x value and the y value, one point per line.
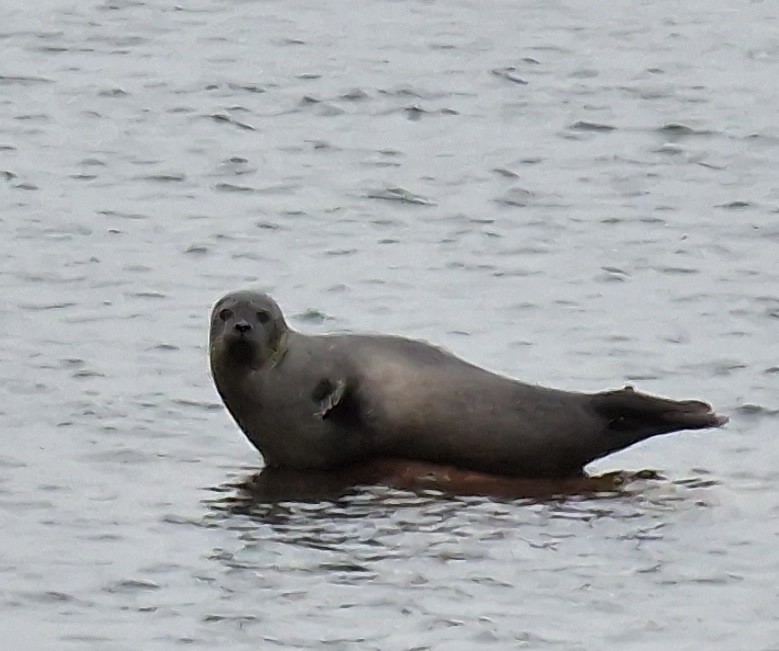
644	415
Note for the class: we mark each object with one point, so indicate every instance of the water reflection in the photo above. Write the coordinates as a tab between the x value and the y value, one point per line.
395	510
395	482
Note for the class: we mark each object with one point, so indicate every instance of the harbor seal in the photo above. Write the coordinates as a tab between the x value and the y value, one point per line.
316	402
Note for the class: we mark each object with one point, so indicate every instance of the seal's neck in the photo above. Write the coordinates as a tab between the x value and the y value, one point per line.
278	351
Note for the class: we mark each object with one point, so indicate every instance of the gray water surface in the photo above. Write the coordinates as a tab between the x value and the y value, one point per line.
574	194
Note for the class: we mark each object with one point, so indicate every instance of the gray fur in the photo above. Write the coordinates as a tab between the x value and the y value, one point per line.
317	402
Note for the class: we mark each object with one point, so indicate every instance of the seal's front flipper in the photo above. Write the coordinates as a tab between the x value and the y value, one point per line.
329	395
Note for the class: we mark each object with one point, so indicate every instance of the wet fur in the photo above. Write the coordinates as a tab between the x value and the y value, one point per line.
319	402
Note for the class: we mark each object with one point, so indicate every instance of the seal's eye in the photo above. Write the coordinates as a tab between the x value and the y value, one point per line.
225	314
263	317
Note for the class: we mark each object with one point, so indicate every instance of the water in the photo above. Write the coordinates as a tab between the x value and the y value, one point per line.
574	195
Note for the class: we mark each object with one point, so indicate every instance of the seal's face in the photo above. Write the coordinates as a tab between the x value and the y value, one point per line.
247	329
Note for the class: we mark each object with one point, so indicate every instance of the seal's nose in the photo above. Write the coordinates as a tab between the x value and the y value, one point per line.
242	326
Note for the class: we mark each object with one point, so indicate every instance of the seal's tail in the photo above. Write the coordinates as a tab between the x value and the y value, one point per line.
640	415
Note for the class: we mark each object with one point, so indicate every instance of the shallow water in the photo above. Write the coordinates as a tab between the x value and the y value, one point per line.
573	195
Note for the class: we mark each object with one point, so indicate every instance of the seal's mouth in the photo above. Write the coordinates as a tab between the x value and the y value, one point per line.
241	348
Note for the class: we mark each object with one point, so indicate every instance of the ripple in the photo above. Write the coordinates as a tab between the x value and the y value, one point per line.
129	586
677	129
223	118
313	316
122	215
515	197
416	112
355	95
248	87
677	271
44	307
750	409
231	187
735	205
509	73
51	596
164	178
583	125
400	195
197	249
10	80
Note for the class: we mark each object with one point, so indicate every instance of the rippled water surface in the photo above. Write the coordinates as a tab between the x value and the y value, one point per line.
579	195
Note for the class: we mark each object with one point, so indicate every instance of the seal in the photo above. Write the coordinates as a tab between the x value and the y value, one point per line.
316	402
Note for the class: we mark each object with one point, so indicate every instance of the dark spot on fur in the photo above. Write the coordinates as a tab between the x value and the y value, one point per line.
322	388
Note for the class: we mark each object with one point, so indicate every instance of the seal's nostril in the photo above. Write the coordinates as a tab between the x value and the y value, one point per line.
243	326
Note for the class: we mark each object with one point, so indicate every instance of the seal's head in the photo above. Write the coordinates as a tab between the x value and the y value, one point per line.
247	330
